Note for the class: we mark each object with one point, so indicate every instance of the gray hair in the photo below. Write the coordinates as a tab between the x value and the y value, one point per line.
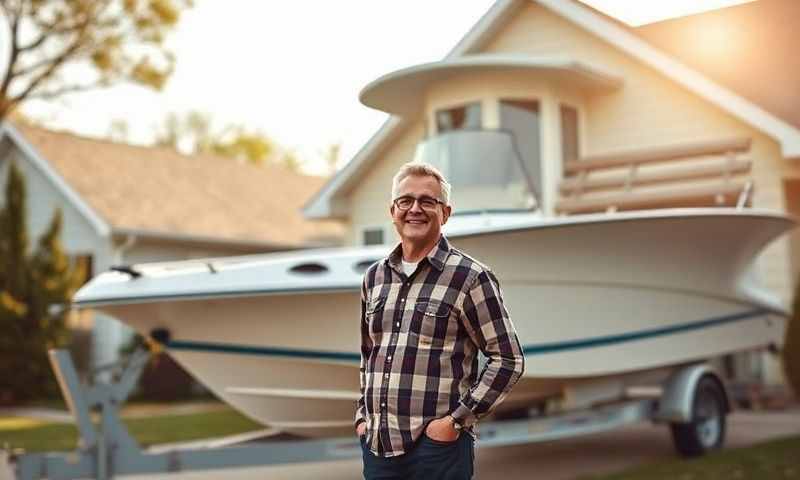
421	170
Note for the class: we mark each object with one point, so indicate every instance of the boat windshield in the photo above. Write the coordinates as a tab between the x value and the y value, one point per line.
484	167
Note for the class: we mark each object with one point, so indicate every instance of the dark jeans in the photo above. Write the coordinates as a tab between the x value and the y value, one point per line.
429	459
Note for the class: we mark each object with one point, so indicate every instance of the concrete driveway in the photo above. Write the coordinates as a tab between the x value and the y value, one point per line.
565	459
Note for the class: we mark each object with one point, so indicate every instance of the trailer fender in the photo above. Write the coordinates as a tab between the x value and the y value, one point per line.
675	404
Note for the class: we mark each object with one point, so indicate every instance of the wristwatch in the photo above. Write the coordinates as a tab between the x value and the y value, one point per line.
457	426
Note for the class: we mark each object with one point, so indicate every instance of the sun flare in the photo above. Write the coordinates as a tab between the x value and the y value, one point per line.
637	12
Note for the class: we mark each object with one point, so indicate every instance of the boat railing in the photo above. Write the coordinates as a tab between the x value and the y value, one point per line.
687	175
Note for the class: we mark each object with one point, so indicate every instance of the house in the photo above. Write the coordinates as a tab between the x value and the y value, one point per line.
578	89
125	204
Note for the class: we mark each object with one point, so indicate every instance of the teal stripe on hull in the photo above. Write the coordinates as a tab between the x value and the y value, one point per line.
643	335
269	351
535	349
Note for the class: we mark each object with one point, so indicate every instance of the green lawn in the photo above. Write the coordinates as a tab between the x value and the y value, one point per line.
776	459
147	431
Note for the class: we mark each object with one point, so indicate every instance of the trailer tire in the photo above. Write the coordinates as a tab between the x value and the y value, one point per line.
706	431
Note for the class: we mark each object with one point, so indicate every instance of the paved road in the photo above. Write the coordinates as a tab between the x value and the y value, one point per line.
566	459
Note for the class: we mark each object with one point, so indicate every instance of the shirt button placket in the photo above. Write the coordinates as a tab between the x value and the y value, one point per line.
399	311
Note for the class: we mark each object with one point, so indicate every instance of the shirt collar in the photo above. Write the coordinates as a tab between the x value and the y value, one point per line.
436	257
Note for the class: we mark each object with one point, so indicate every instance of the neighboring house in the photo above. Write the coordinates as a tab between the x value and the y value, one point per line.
124	204
574	85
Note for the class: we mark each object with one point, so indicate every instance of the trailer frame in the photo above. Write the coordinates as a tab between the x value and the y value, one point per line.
107	450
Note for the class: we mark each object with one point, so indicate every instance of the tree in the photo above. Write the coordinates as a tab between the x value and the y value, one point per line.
332	155
34	290
791	345
194	133
50	40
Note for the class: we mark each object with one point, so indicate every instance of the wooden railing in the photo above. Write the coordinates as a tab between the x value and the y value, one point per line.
623	191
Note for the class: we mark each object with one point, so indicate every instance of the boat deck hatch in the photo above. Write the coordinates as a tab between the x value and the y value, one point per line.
309	268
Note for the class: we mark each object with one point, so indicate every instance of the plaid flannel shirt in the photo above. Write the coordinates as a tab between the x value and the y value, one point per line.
420	337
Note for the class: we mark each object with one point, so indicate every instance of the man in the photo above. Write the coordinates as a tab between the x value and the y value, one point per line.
426	311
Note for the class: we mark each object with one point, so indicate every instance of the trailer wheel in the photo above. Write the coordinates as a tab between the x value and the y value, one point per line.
706	431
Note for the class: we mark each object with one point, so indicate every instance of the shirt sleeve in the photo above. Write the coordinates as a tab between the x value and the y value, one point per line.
366	348
488	324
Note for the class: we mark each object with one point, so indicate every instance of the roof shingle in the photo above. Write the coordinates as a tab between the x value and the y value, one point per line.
160	190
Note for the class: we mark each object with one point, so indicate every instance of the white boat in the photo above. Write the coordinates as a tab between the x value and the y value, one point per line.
600	302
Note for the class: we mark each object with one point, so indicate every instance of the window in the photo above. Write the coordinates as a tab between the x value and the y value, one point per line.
483	166
523	119
570	151
459	118
372	236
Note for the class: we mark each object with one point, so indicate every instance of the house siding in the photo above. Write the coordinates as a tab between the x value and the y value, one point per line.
370	199
77	236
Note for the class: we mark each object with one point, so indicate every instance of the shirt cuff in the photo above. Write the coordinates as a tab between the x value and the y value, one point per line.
463	415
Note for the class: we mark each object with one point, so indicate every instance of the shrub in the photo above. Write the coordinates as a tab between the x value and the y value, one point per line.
35	286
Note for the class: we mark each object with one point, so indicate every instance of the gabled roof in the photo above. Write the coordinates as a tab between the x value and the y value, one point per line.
787	135
157	192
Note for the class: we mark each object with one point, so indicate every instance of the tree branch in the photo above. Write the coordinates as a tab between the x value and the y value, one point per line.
14	16
48	29
82	49
49	94
35	44
47	36
58	60
22	71
62	57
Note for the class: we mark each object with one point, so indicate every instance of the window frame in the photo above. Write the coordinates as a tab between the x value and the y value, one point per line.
362	232
443	108
579	134
540	102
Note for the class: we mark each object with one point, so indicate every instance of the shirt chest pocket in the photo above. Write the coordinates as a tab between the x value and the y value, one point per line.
432	323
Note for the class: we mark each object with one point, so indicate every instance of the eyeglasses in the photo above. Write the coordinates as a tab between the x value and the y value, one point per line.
407	201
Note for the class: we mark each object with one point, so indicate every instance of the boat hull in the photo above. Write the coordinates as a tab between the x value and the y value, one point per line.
590	300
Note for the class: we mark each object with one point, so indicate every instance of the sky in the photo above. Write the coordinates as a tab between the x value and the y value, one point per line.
292	70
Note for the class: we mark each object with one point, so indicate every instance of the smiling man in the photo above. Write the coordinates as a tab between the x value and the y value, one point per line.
426	312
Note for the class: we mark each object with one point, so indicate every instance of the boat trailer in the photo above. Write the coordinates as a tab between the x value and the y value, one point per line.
689	402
